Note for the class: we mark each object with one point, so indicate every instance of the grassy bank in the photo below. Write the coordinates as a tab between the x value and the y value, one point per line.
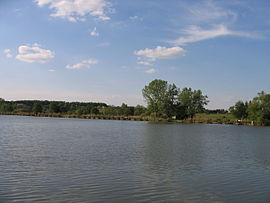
215	118
199	118
87	116
225	118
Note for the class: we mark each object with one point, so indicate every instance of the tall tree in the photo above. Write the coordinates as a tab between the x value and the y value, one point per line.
239	110
125	110
191	102
160	97
172	102
259	108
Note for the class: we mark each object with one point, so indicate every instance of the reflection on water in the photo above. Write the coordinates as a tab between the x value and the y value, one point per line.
73	160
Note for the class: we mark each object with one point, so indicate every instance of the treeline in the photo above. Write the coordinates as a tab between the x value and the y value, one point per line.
61	107
37	106
257	111
124	110
164	101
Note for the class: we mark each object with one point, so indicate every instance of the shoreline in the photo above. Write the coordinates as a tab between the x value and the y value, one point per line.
196	120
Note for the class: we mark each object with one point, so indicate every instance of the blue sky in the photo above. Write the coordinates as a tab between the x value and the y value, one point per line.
108	50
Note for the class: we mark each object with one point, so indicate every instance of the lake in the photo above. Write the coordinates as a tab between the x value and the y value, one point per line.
76	160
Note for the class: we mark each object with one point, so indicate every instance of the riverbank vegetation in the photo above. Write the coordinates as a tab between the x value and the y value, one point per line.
165	102
256	111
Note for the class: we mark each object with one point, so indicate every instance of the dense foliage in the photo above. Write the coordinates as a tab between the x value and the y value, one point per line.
36	106
60	107
239	110
167	100
257	110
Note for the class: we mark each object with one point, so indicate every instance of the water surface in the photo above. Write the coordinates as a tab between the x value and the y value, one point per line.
75	160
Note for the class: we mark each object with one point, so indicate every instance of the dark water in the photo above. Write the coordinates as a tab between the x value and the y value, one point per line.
73	160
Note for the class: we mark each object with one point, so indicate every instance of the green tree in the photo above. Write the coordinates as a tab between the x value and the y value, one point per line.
160	97
37	108
124	109
7	107
239	110
259	109
94	111
191	102
172	102
139	110
53	107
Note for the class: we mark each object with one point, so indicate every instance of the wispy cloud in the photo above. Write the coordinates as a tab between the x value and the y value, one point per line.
208	11
83	64
34	54
74	10
208	19
195	33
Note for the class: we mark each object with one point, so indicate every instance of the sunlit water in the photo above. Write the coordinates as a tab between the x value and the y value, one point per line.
74	160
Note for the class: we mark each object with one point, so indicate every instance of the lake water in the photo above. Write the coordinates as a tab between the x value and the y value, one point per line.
75	160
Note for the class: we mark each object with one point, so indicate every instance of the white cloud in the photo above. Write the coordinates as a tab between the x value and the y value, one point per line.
34	54
74	10
94	32
51	70
83	64
161	53
145	63
151	70
7	52
196	33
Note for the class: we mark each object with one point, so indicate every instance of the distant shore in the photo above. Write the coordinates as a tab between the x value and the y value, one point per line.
225	119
